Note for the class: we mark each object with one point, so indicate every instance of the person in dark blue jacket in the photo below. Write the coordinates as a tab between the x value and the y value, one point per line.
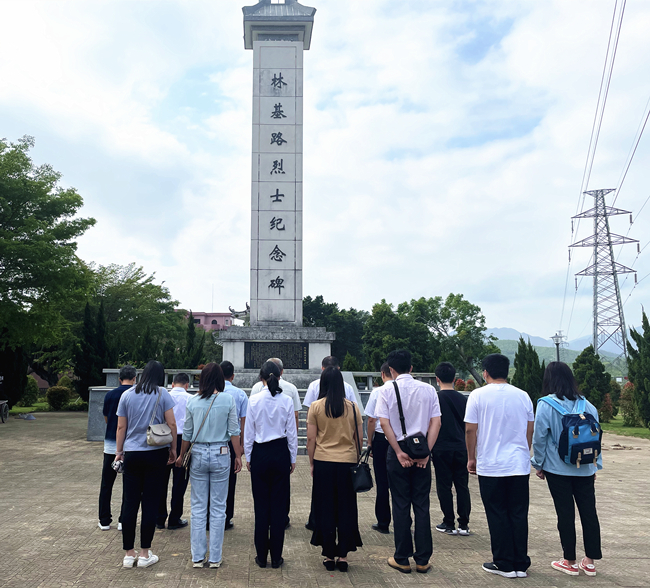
111	400
569	485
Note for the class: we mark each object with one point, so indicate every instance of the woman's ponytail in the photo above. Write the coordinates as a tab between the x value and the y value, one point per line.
270	373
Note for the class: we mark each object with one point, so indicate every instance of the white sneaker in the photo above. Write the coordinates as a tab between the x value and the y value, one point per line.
119	526
215	564
128	561
464	532
104	527
145	562
198	564
521	574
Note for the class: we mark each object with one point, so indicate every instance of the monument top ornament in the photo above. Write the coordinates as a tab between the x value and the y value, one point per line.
278	21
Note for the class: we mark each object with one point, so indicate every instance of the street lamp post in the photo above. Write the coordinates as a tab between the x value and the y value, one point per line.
557	339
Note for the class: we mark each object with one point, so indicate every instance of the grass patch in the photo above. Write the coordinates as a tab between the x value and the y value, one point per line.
616	426
38	407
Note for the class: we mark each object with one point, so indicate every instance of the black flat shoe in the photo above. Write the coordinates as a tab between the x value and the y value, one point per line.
178	525
160	526
229	525
259	563
330	565
277	564
342	566
383	530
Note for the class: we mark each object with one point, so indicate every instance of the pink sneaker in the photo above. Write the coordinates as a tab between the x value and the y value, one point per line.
589	569
564	566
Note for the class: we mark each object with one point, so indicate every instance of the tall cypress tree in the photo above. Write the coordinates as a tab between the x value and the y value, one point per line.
88	363
529	374
639	370
591	376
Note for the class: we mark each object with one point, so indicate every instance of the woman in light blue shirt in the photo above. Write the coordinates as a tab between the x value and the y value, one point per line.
210	465
568	484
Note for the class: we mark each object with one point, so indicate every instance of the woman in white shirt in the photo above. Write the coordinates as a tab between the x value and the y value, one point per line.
271	445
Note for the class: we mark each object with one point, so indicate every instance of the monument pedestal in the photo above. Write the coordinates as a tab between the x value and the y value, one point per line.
301	350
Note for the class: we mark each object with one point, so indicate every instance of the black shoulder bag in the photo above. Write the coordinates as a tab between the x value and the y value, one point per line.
415	446
360	473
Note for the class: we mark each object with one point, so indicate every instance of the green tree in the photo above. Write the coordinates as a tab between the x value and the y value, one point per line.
529	373
459	327
88	363
351	363
591	376
212	350
615	394
347	324
627	406
386	330
30	396
39	267
639	370
193	355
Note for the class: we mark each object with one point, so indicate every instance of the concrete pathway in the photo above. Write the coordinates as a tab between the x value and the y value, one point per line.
49	484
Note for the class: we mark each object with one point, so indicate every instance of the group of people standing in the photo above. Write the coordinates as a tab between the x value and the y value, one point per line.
489	433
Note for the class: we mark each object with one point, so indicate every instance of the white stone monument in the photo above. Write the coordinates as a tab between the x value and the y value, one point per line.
278	33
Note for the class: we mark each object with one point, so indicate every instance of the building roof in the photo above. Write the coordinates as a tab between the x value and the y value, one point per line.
290	10
291	20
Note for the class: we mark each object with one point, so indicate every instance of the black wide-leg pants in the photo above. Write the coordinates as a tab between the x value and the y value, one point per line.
382	503
270	471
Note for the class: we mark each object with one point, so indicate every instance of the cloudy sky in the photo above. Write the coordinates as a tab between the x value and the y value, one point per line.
444	144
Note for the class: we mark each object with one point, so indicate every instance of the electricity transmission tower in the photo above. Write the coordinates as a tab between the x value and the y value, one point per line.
609	322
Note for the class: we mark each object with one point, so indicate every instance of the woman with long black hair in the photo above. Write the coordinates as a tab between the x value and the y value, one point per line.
570	486
333	428
210	422
271	445
144	465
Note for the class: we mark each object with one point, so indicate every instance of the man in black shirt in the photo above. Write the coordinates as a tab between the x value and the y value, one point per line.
449	454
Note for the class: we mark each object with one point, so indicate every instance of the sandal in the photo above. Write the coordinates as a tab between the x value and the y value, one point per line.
330	565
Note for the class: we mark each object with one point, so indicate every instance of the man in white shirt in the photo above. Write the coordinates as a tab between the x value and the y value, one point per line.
379	445
287	388
314	388
180	396
409	479
311	395
241	402
499	431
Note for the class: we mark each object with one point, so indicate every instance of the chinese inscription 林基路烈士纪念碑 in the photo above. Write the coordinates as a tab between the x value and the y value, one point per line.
277	138
278	167
276	223
277	197
277	254
277	81
277	284
278	112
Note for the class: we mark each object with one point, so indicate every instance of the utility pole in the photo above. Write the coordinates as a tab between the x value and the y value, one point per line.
609	322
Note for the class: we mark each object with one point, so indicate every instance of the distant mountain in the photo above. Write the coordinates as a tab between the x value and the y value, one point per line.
508	334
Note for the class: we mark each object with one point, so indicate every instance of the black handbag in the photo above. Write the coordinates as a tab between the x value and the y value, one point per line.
360	473
415	446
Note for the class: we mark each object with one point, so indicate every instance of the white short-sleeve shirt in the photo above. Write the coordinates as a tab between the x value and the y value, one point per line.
314	388
288	389
502	413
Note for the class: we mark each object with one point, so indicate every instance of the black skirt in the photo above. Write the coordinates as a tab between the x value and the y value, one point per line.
336	518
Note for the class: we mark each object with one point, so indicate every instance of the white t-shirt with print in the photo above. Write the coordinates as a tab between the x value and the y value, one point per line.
502	413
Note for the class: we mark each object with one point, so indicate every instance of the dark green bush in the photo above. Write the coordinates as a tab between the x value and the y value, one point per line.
66	382
30	395
79	406
57	397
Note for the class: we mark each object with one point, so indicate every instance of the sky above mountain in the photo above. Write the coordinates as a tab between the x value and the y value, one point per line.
444	144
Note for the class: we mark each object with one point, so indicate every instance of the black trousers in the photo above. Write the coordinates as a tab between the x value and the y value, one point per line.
143	474
451	468
106	491
506	507
336	518
382	503
270	470
179	485
567	492
232	482
410	487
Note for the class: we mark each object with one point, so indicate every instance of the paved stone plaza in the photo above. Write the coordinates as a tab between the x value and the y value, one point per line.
49	483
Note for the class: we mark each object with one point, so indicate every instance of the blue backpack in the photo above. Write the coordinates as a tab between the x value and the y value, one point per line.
580	440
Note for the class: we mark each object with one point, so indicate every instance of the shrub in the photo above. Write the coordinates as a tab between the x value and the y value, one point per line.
459	384
627	406
470	385
606	411
79	406
30	395
66	382
57	396
616	395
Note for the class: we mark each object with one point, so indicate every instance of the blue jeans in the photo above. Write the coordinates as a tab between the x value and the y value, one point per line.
209	474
